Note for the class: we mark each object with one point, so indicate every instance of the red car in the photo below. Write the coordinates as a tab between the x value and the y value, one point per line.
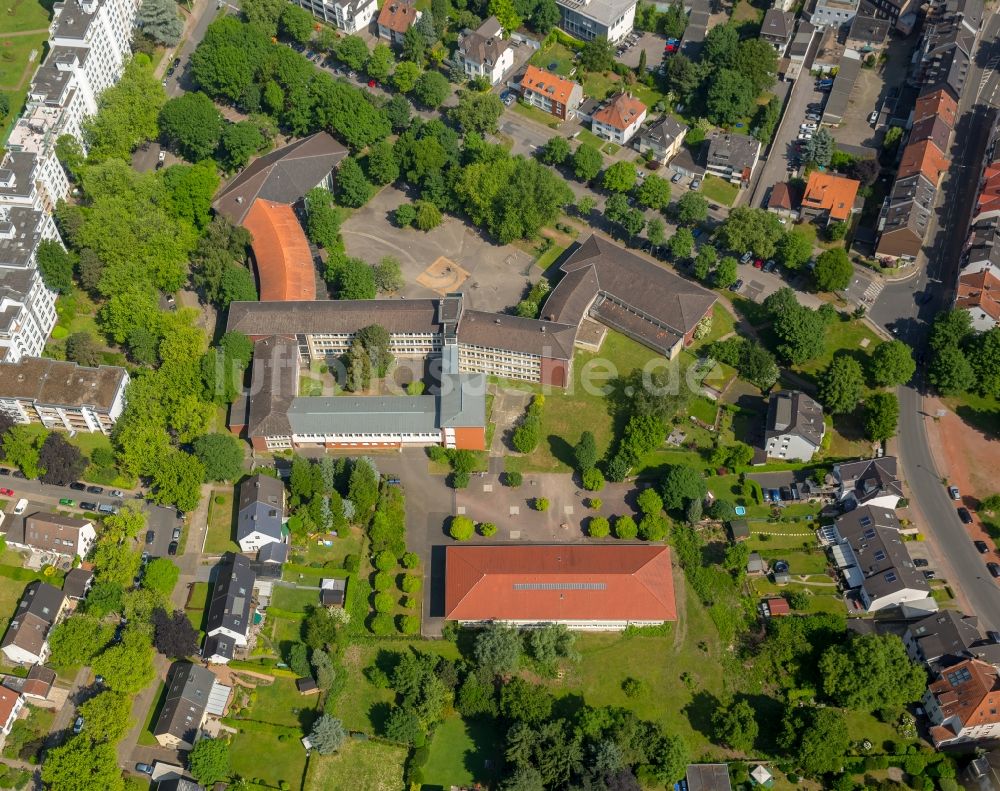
7	492
758	263
371	83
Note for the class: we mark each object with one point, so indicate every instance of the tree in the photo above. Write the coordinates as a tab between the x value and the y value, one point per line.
160	576
890	679
461	528
545	16
892	364
61	462
681	244
128	666
376	341
656	232
428	216
801	330
619	177
587	162
833	270
865	170
404	78
626	528
77	640
757	60
327	735
680	485
159	20
752	229
593	480
555	151
950	328
528	434
585	452
984	357
355	280
506	14
388	275
239	142
841	384
477	112
221	455
794	249
127	116
692	208
731	96
380	62
174	636
383	166
431	89
108	716
817	738
208	762
597	55
81	765
521	701
352	52
735	725
414	46
497	649
403	725
56	265
727	272
704	261
819	149
177	479
353	188
21	448
881	416
654	192
192	124
599	527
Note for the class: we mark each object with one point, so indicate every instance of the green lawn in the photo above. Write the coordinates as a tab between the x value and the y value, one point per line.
584	136
549	257
845	335
719	191
723	323
10	594
281	704
460	753
536	115
263	757
146	737
360	765
600	85
221	523
745	12
292	599
567	414
557	54
15	52
980	412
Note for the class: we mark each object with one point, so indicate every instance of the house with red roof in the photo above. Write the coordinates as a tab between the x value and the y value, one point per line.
963	704
583	586
619	119
11	704
979	295
551	93
395	18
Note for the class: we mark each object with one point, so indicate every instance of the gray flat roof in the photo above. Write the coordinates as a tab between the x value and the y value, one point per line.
363	415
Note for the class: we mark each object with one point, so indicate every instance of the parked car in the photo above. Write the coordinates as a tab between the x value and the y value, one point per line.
675	178
7	492
746	257
145	769
735	287
982	546
805	136
994	569
4	471
953	493
78	725
994	637
758	263
813	117
67	501
508	99
965	516
172	548
929	574
873	116
770	265
88	506
117	493
95	490
150	536
99	680
808	126
695	183
78	487
176	534
920	563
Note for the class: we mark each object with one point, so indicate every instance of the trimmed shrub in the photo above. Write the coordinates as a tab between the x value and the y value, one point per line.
382	581
513	479
411	583
385	560
410	560
382	625
384	602
461	528
625	528
352	563
593	480
599	527
408	624
487	529
540	504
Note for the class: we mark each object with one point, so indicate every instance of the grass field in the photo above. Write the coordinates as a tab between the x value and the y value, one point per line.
559	57
981	412
293	599
582	406
221	529
359	766
25	29
590	138
281	704
10	594
843	336
719	191
146	737
460	753
600	85
261	756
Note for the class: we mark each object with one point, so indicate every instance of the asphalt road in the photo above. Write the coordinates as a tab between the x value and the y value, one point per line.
898	306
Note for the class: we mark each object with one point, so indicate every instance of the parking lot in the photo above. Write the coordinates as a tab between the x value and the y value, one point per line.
652	43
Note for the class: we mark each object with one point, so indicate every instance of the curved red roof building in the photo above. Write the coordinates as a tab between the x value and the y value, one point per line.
584	586
285	268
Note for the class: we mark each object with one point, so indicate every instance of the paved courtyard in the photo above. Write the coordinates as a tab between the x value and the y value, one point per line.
496	276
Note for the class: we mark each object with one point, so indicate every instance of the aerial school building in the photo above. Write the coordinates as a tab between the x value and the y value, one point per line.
603	283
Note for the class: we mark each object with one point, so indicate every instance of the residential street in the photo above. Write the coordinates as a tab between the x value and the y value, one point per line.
897	305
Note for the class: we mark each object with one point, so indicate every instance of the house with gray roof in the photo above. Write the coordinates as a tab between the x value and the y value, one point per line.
230	610
708	777
732	156
26	640
484	52
777	28
261	512
942	639
662	139
868	482
188	689
795	427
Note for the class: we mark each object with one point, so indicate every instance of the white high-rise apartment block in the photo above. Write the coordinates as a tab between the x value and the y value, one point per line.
103	29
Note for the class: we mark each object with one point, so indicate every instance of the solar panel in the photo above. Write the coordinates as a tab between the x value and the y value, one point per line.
559	586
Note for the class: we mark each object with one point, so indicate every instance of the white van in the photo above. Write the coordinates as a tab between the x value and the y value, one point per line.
21	507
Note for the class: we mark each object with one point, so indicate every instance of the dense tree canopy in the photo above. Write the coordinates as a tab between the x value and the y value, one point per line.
192	124
128	113
890	678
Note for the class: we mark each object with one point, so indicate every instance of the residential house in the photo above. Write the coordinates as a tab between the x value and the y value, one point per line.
943	638
873	560
619	119
63	395
332	592
833	14
27	306
261	514
829	52
944	57
484	52
795	428
350	16
830	198
732	156
77	583
979	295
551	93
923	158
708	777
983	248
55	533
904	219
790	67
36	686
777	28
585	587
868	34
936	104
230	610
899	12
662	139
395	18
588	19
26	639
785	200
11	704
100	31
188	689
868	482
963	704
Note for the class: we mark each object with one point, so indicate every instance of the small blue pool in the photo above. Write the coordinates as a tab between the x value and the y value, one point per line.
740	510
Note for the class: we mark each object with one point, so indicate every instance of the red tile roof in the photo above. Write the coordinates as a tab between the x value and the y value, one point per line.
938	103
8	699
830	193
980	290
781	197
620	112
969	691
923	157
559	583
989	193
551	85
778	606
397	15
280	248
